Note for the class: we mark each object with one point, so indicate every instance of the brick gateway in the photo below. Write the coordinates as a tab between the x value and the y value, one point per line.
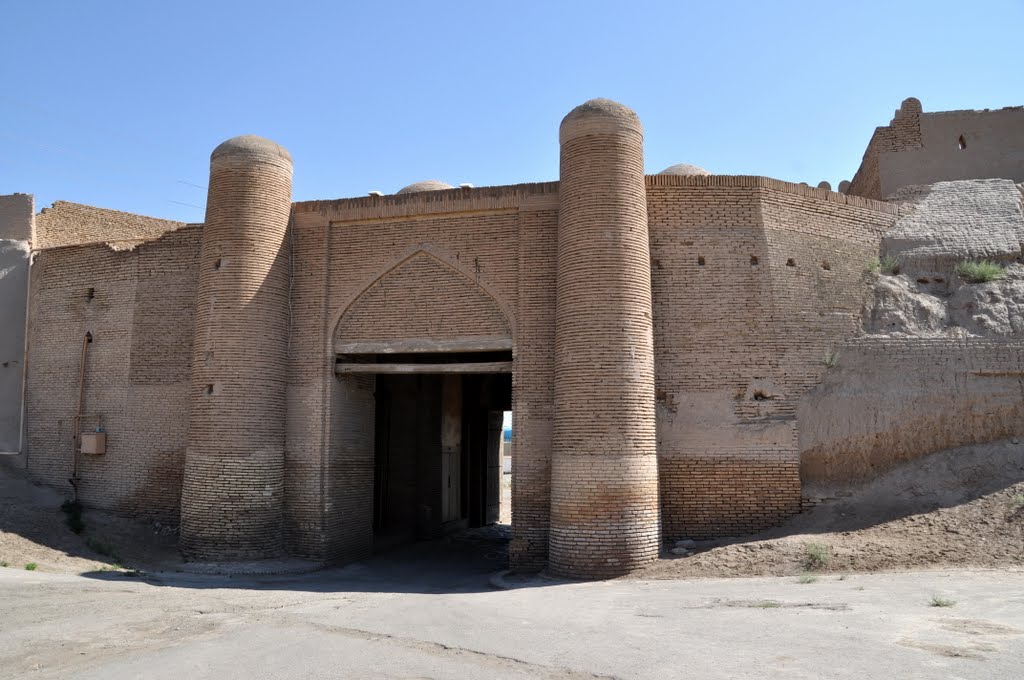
306	378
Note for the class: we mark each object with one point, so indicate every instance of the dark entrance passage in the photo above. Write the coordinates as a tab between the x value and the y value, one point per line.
437	464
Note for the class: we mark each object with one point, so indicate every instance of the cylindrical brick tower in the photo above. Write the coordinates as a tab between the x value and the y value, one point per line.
605	518
232	498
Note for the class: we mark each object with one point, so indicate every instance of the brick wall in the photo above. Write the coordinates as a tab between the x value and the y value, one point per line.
69	224
737	341
754	281
902	134
422	298
437	265
139	307
532	387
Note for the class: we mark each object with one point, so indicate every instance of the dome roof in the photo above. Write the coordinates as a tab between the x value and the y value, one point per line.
250	145
426	185
684	169
605	108
598	116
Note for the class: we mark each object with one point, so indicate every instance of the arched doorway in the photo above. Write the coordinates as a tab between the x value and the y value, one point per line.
423	373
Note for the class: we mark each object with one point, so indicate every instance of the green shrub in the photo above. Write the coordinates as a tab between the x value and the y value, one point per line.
939	601
887	264
807	578
31	566
831	359
980	272
817	556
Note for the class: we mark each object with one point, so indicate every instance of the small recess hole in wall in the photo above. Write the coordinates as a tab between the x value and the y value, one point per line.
90	294
753	260
790	262
961	143
216	264
759	395
700	260
826	266
208	391
922	280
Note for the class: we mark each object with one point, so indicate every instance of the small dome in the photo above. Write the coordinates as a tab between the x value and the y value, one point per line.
604	108
599	116
251	145
684	169
427	185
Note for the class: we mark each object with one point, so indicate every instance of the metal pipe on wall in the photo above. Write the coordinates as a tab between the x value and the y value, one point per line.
77	422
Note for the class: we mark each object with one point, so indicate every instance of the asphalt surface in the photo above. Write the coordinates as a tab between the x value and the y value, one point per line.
429	611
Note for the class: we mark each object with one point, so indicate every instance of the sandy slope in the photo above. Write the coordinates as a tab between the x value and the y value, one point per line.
956	508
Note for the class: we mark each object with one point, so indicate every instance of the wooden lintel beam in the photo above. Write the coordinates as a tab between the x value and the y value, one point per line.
414	345
469	367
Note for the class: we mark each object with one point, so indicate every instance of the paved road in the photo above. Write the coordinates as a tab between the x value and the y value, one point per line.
412	615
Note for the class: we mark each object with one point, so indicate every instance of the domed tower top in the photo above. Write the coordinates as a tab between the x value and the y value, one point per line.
684	169
426	185
599	116
251	146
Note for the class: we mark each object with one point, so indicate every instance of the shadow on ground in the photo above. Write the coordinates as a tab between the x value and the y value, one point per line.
465	562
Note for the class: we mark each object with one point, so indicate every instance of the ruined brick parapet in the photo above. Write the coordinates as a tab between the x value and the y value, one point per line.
924	148
604	471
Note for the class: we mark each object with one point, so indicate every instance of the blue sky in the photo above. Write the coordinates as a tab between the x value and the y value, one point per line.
121	106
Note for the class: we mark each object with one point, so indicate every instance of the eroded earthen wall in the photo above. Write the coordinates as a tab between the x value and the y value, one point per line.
16	227
892	399
992	147
923	148
903	133
138	305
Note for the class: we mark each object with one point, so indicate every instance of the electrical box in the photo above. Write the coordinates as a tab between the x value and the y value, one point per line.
94	443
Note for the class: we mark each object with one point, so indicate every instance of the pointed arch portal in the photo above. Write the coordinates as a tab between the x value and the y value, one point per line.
422	363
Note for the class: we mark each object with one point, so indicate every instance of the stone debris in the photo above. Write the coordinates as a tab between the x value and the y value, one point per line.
900	305
994	308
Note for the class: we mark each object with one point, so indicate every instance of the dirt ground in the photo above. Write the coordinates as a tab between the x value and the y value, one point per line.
34	530
959	508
